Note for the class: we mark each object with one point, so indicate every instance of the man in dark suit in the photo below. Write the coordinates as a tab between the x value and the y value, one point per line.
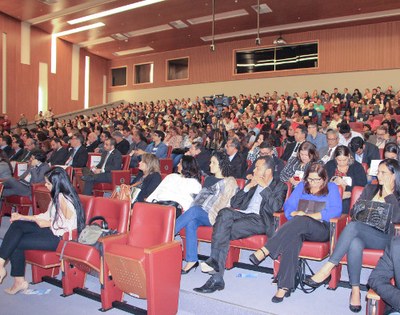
59	155
18	147
111	160
300	135
30	145
201	155
380	279
238	163
257	202
122	145
6	143
363	152
34	174
78	154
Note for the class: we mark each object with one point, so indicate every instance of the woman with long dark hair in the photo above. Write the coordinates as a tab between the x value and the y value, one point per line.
43	231
315	192
357	235
180	187
216	194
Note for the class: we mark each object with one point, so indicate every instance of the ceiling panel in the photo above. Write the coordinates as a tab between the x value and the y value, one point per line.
53	18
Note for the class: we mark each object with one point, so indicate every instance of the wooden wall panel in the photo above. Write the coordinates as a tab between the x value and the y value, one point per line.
345	49
23	80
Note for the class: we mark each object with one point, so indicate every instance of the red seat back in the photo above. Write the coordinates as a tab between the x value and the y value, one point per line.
279	150
116	212
41	198
355	194
87	205
151	224
126	160
241	182
169	152
166	166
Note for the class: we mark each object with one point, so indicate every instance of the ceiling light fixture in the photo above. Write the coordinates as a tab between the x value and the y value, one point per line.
179	24
212	46
133	51
119	36
149	30
114	11
79	29
279	41
218	17
96	41
262	8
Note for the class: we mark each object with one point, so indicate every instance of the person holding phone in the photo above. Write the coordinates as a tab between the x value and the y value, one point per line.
297	165
344	171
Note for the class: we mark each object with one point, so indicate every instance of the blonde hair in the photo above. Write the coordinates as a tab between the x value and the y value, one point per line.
152	162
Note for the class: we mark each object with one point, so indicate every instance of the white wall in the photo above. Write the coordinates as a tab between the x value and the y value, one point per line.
351	80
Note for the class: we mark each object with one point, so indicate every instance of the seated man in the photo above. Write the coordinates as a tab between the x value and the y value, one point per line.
260	198
59	155
380	280
111	160
364	152
237	163
33	175
202	157
78	154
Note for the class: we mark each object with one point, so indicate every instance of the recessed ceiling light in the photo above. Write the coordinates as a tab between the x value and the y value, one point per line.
79	29
149	30
119	36
263	8
219	16
96	41
114	11
178	24
132	51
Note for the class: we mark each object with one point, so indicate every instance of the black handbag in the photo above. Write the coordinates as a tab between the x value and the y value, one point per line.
175	204
373	213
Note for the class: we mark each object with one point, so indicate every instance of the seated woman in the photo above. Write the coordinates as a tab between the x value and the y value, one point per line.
296	166
380	280
181	187
149	177
344	171
215	195
357	235
43	231
391	151
304	225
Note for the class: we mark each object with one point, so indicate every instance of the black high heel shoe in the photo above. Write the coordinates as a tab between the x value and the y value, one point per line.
254	260
313	284
354	308
184	272
276	299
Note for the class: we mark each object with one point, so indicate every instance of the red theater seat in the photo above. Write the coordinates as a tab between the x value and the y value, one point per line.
47	263
146	261
79	259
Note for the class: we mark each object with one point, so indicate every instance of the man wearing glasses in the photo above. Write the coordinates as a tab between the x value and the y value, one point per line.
326	153
78	154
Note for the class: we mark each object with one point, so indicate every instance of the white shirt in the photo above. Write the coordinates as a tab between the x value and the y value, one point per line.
343	141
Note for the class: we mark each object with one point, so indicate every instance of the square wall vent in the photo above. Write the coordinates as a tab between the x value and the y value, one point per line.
264	8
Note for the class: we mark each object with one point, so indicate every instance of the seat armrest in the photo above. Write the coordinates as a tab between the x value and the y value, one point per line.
372	295
161	247
120	177
397	229
279	219
65	237
113	239
336	227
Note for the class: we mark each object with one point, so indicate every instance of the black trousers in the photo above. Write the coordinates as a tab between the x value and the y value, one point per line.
231	224
287	243
23	235
90	180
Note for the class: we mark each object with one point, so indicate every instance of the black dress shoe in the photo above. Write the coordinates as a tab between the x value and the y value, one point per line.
254	260
211	286
276	299
311	283
184	272
354	308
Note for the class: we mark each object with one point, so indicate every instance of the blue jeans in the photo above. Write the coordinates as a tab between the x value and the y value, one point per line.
191	219
355	237
176	158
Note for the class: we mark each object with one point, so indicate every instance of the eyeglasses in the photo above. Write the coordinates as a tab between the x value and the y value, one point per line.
313	180
331	139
